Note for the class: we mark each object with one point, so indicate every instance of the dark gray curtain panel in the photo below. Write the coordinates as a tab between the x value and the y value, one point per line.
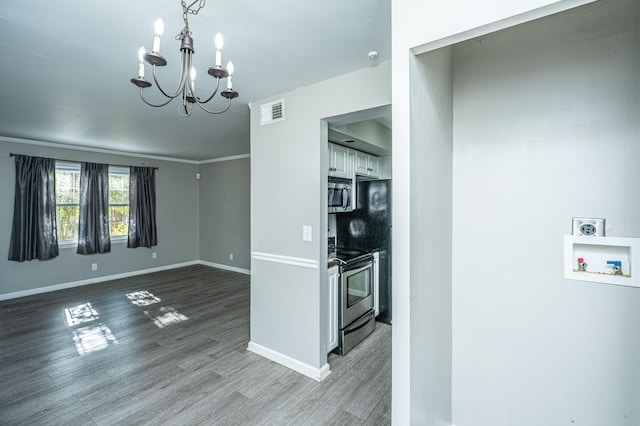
93	226
142	207
34	234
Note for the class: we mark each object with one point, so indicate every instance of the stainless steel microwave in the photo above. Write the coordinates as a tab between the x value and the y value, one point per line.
340	193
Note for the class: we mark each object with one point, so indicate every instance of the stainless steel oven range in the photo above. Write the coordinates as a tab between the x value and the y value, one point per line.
356	317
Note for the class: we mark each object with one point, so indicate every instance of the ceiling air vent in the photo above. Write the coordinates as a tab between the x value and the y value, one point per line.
272	112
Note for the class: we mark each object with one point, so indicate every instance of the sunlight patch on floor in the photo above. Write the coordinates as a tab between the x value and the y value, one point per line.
89	337
142	298
165	316
93	338
79	314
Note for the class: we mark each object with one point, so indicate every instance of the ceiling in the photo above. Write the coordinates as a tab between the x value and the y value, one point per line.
66	69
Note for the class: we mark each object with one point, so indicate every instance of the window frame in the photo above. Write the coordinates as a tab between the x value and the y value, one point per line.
67	166
118	170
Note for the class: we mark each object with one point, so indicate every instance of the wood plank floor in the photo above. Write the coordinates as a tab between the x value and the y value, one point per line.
89	355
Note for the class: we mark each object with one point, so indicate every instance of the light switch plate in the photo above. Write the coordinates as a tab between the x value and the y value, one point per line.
306	233
588	226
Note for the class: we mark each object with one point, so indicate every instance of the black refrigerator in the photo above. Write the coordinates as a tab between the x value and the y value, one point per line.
368	228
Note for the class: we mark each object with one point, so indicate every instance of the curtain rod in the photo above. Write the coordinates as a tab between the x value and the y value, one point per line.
11	154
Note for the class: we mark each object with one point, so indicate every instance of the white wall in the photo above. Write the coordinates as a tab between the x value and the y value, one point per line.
431	168
418	26
434	23
289	162
546	128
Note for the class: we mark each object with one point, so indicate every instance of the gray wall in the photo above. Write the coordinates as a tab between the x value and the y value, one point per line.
177	221
546	128
289	302
225	213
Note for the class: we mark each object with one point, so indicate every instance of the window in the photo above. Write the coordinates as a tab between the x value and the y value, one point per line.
118	201
68	201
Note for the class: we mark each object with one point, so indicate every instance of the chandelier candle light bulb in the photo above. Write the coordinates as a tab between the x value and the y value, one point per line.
158	29
192	77
141	53
219	42
230	69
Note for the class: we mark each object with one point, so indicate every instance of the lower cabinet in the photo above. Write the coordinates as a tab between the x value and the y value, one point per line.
332	329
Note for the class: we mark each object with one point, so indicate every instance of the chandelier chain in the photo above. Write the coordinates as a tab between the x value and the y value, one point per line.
186	11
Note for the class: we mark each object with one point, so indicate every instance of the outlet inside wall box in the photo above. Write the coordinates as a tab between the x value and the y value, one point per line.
589	227
94	266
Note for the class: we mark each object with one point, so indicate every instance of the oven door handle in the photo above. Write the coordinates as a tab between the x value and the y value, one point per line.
359	323
354	268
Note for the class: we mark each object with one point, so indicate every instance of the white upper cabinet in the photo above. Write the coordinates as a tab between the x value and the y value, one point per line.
367	164
346	162
340	161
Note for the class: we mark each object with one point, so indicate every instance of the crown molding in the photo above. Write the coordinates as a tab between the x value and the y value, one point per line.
230	158
116	152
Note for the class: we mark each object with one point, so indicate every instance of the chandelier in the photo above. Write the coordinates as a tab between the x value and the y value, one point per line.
186	86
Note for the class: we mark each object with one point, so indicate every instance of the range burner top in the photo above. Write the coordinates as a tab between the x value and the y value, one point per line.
348	255
348	252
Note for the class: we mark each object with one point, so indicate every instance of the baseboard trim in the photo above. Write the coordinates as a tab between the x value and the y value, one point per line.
63	286
318	374
226	267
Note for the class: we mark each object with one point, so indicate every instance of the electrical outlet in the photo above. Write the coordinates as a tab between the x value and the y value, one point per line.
230	256
589	227
154	255
94	266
